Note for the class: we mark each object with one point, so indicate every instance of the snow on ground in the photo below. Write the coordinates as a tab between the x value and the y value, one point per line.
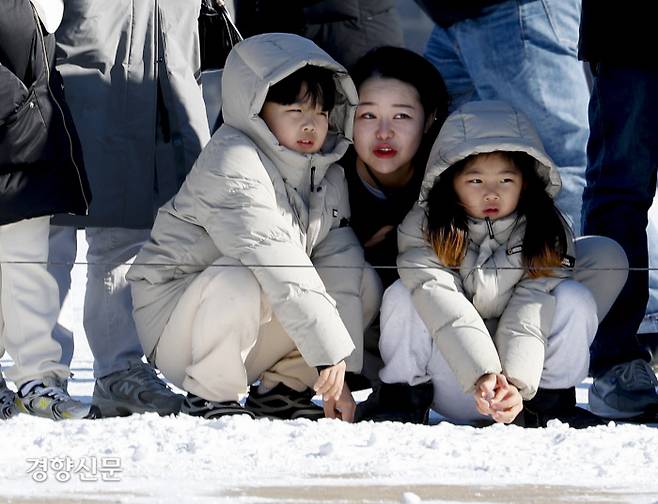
183	459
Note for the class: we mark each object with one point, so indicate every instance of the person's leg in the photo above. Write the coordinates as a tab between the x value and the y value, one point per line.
124	384
602	267
443	52
525	53
405	392
291	370
211	332
30	306
108	319
29	301
621	182
62	244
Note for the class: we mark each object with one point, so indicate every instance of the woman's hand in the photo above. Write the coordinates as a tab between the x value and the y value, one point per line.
497	398
343	408
379	236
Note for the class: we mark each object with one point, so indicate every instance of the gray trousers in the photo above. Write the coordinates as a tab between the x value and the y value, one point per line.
107	319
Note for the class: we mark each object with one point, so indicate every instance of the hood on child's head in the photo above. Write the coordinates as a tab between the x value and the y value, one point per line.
486	126
258	62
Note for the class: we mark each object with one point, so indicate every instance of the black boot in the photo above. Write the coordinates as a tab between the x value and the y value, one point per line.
556	403
397	402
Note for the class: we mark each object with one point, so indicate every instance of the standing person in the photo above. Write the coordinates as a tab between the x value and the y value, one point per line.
524	53
621	183
41	172
486	321
346	29
130	69
242	265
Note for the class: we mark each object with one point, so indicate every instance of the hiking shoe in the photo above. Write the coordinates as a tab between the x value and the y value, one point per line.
556	404
284	403
397	402
625	391
134	390
8	407
199	407
48	398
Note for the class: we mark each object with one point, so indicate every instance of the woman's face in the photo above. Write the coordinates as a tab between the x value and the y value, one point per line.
389	126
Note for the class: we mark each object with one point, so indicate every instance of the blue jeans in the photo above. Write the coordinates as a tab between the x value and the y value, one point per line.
621	183
525	53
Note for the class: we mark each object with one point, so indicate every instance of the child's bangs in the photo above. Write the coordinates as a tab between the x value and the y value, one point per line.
309	84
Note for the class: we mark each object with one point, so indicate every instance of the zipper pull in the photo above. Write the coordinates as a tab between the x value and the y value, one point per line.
489	227
312	178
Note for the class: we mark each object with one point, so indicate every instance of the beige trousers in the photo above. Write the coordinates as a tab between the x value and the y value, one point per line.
29	302
222	336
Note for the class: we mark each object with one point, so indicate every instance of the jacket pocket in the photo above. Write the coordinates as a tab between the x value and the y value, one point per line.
23	136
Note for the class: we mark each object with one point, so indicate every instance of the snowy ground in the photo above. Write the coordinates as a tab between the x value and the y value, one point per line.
183	459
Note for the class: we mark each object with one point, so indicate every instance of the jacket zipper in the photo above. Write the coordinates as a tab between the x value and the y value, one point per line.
312	178
489	227
61	112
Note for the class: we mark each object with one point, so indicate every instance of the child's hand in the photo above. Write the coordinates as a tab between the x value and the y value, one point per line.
343	408
496	397
484	393
330	382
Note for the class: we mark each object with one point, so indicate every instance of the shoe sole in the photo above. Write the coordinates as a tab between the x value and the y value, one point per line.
600	408
112	408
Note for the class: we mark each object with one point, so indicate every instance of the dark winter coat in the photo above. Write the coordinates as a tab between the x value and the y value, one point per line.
130	70
370	213
614	33
41	169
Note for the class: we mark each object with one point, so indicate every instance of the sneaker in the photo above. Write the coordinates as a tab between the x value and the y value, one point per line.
397	402
625	391
560	404
49	399
199	407
8	407
283	403
134	390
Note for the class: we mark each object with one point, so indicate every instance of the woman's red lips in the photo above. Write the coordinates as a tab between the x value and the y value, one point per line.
384	151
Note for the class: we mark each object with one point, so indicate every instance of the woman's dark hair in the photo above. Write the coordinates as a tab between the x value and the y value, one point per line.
390	62
320	88
545	240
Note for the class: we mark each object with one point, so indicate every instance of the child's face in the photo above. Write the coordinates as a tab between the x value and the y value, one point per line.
489	186
389	125
300	126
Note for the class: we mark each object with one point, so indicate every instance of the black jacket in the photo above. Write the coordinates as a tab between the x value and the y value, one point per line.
617	33
41	167
370	213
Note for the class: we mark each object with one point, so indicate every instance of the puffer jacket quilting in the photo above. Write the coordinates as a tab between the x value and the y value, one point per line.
249	199
460	307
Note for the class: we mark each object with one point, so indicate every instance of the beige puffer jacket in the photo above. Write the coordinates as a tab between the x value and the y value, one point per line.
252	200
490	292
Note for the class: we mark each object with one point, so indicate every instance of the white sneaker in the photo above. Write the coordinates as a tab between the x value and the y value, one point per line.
49	399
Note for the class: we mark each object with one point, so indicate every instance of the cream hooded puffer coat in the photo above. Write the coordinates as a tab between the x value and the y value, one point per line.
491	291
250	199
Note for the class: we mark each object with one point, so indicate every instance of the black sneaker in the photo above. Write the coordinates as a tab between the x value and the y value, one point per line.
397	402
137	389
626	390
560	404
283	403
198	406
